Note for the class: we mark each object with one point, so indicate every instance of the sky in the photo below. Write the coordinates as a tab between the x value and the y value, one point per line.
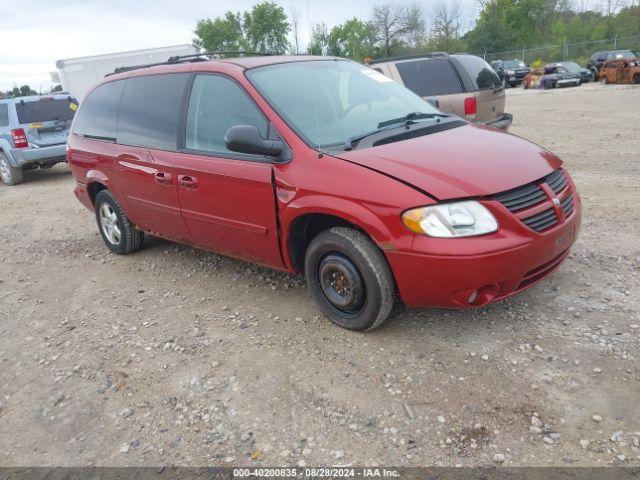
39	32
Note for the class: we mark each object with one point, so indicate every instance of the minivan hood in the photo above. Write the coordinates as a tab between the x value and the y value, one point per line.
468	161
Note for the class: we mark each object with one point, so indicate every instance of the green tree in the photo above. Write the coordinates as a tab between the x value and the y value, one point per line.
446	26
221	34
398	27
24	91
319	39
353	39
266	28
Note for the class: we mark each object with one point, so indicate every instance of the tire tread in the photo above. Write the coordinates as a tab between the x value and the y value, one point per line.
133	237
376	261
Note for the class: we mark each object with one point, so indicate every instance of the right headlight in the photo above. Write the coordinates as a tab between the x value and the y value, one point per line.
449	220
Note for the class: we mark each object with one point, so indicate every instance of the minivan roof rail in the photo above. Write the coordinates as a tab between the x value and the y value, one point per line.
409	57
194	57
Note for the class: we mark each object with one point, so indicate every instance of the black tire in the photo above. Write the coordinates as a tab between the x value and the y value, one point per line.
8	173
594	75
366	289
129	238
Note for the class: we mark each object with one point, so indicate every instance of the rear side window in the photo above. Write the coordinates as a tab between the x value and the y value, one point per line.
150	111
4	115
430	77
216	104
46	109
99	112
482	75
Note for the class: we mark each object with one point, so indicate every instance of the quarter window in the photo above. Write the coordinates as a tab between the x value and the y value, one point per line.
150	111
430	77
216	104
4	115
99	111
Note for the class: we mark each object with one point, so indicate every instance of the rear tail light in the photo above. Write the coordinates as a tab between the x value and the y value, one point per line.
470	106
19	138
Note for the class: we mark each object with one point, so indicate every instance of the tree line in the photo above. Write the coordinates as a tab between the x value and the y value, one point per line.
398	29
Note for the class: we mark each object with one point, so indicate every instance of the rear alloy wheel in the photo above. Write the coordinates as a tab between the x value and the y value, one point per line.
8	173
117	232
350	279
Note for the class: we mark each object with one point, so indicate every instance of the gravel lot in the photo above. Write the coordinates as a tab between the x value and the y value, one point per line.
180	357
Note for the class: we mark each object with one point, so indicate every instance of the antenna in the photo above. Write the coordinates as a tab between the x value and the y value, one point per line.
309	27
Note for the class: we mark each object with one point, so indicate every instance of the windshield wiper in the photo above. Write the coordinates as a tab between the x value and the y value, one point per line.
408	119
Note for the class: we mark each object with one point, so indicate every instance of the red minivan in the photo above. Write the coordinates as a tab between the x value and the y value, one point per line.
323	166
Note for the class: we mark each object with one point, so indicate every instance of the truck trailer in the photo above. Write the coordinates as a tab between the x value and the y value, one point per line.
77	75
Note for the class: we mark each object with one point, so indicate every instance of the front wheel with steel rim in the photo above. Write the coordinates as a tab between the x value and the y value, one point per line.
117	232
350	279
9	174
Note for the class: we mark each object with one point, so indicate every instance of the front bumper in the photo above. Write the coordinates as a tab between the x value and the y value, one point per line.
25	156
440	272
503	123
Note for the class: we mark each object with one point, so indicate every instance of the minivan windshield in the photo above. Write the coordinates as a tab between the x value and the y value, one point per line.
46	109
329	101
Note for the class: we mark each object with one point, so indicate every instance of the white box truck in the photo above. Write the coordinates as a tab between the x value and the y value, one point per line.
77	75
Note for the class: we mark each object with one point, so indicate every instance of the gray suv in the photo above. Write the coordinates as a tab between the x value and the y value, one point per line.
33	133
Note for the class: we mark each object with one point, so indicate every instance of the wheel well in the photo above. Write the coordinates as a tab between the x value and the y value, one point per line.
305	228
93	189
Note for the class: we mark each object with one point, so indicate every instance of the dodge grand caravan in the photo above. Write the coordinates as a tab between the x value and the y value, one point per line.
323	166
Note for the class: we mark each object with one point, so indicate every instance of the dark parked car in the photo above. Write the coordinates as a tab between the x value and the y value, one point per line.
551	76
573	67
599	58
514	72
323	166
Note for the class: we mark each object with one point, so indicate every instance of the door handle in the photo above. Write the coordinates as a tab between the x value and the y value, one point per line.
163	178
187	181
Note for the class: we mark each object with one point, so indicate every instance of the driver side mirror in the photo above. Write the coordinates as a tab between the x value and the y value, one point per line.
247	139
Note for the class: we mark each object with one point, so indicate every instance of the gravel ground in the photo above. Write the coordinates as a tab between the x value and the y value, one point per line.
180	357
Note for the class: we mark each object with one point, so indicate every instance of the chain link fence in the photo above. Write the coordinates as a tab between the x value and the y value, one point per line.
578	52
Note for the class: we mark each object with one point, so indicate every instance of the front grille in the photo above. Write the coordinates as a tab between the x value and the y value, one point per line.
521	198
541	221
567	205
556	181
